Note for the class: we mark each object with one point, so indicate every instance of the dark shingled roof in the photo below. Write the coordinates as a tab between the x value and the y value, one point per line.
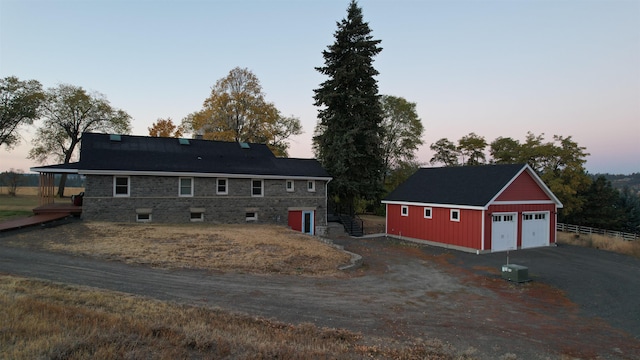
104	152
459	185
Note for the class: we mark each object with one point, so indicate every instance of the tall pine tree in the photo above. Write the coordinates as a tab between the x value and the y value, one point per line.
347	138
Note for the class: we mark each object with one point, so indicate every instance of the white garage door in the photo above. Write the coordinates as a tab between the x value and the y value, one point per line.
535	229
503	232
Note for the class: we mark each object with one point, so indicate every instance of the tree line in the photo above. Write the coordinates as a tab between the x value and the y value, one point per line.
355	130
365	140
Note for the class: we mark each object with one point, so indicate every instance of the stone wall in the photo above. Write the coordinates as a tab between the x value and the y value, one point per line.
158	196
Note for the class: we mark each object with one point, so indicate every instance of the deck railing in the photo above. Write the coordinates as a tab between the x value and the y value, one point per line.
589	230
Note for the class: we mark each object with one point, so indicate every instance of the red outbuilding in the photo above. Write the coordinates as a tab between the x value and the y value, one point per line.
485	208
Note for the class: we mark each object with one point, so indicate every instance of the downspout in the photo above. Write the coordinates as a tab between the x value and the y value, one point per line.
326	202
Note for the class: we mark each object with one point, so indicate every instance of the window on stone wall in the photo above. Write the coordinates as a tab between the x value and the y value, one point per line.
121	186
222	187
290	185
311	185
186	187
145	217
257	188
251	216
197	216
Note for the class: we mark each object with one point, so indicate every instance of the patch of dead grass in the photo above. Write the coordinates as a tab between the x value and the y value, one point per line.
53	321
597	241
239	248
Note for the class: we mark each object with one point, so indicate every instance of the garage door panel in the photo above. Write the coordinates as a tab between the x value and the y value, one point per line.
535	229
503	232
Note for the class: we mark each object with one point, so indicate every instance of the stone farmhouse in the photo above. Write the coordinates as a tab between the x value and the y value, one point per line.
170	180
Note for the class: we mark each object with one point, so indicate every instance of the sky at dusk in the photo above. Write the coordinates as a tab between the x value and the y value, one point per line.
496	68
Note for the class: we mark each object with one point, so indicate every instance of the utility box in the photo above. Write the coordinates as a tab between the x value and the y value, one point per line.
515	273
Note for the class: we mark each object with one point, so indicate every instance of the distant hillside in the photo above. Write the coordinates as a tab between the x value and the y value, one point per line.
620	181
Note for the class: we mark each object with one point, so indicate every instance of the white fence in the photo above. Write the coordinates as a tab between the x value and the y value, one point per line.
589	230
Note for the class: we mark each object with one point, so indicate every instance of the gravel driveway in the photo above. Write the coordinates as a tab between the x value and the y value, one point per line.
583	303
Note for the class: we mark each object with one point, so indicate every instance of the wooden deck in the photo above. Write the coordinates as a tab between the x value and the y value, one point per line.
42	214
31	221
67	208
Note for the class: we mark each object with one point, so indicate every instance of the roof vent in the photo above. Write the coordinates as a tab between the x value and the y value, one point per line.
244	145
184	141
115	137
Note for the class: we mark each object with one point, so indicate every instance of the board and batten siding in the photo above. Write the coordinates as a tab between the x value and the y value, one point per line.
440	228
524	187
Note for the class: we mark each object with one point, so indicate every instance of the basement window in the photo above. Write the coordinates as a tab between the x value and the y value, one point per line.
455	215
196	216
404	210
143	217
251	216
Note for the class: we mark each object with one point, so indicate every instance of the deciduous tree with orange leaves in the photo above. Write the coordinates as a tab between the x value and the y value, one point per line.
237	110
165	128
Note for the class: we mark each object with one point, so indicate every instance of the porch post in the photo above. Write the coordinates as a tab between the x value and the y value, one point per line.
46	189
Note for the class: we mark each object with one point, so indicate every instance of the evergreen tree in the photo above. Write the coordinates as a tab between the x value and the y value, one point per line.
629	203
601	206
347	139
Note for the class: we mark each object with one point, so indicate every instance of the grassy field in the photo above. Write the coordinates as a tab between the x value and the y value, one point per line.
244	248
17	206
601	242
33	190
42	320
25	200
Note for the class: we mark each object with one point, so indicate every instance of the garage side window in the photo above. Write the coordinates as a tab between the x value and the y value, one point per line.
427	213
404	210
121	186
455	215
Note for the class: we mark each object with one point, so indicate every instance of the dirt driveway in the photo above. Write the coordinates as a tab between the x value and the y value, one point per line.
405	291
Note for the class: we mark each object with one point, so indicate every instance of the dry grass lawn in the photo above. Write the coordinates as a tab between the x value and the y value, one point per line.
42	320
33	190
602	242
239	248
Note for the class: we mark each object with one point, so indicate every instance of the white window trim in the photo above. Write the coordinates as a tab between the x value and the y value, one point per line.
313	186
454	211
192	219
180	194
143	220
293	185
424	211
253	218
128	186
261	188
404	210
226	186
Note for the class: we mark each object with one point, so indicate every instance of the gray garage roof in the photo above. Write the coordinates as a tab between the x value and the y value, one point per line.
104	153
460	185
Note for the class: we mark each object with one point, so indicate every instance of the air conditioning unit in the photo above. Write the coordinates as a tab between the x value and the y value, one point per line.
515	273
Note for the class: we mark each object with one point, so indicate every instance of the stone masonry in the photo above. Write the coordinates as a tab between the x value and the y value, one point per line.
156	199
